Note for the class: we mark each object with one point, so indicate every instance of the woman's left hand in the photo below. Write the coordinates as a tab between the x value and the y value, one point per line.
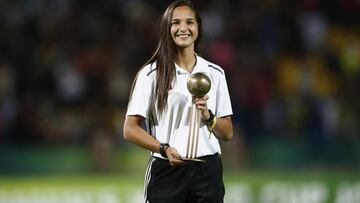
201	104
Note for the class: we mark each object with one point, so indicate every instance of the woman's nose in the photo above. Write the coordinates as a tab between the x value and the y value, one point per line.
183	27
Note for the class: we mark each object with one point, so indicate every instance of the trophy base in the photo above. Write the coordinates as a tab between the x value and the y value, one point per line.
194	160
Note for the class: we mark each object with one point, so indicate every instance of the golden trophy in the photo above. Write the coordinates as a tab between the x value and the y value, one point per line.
198	85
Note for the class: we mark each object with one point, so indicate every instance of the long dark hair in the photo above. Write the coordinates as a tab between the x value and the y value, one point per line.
166	51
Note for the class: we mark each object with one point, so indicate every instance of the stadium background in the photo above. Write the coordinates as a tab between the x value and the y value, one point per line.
293	69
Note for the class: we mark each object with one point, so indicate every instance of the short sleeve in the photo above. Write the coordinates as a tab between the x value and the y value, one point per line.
139	101
223	99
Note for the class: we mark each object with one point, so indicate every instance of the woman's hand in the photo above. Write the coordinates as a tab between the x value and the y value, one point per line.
223	128
174	157
201	104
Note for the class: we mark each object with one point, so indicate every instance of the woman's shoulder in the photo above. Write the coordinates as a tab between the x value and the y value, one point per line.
211	66
148	70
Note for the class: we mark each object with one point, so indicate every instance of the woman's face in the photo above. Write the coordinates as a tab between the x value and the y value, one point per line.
184	27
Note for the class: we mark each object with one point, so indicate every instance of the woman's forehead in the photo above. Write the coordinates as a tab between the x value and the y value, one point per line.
182	12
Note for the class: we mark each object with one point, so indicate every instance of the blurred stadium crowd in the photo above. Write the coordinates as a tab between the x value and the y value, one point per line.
293	68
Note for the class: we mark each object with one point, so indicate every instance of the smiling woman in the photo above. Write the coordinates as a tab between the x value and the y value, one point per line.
160	98
184	28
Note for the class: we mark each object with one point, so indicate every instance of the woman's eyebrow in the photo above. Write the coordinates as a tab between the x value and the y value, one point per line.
177	19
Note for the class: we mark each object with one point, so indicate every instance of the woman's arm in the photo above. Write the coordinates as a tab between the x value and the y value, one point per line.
133	132
223	128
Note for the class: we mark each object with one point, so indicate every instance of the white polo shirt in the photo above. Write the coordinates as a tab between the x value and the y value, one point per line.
172	126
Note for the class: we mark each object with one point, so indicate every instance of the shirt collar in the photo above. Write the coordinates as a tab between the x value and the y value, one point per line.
196	69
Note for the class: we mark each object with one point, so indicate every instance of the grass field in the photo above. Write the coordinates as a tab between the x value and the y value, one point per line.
241	187
71	178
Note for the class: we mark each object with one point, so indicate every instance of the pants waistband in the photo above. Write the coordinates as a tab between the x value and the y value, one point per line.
205	158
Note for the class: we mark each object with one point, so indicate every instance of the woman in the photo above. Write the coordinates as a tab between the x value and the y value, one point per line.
160	98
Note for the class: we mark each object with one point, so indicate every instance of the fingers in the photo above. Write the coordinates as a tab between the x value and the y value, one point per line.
174	157
176	162
204	98
201	102
201	105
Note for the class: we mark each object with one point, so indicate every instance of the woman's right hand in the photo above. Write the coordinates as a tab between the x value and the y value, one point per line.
174	157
